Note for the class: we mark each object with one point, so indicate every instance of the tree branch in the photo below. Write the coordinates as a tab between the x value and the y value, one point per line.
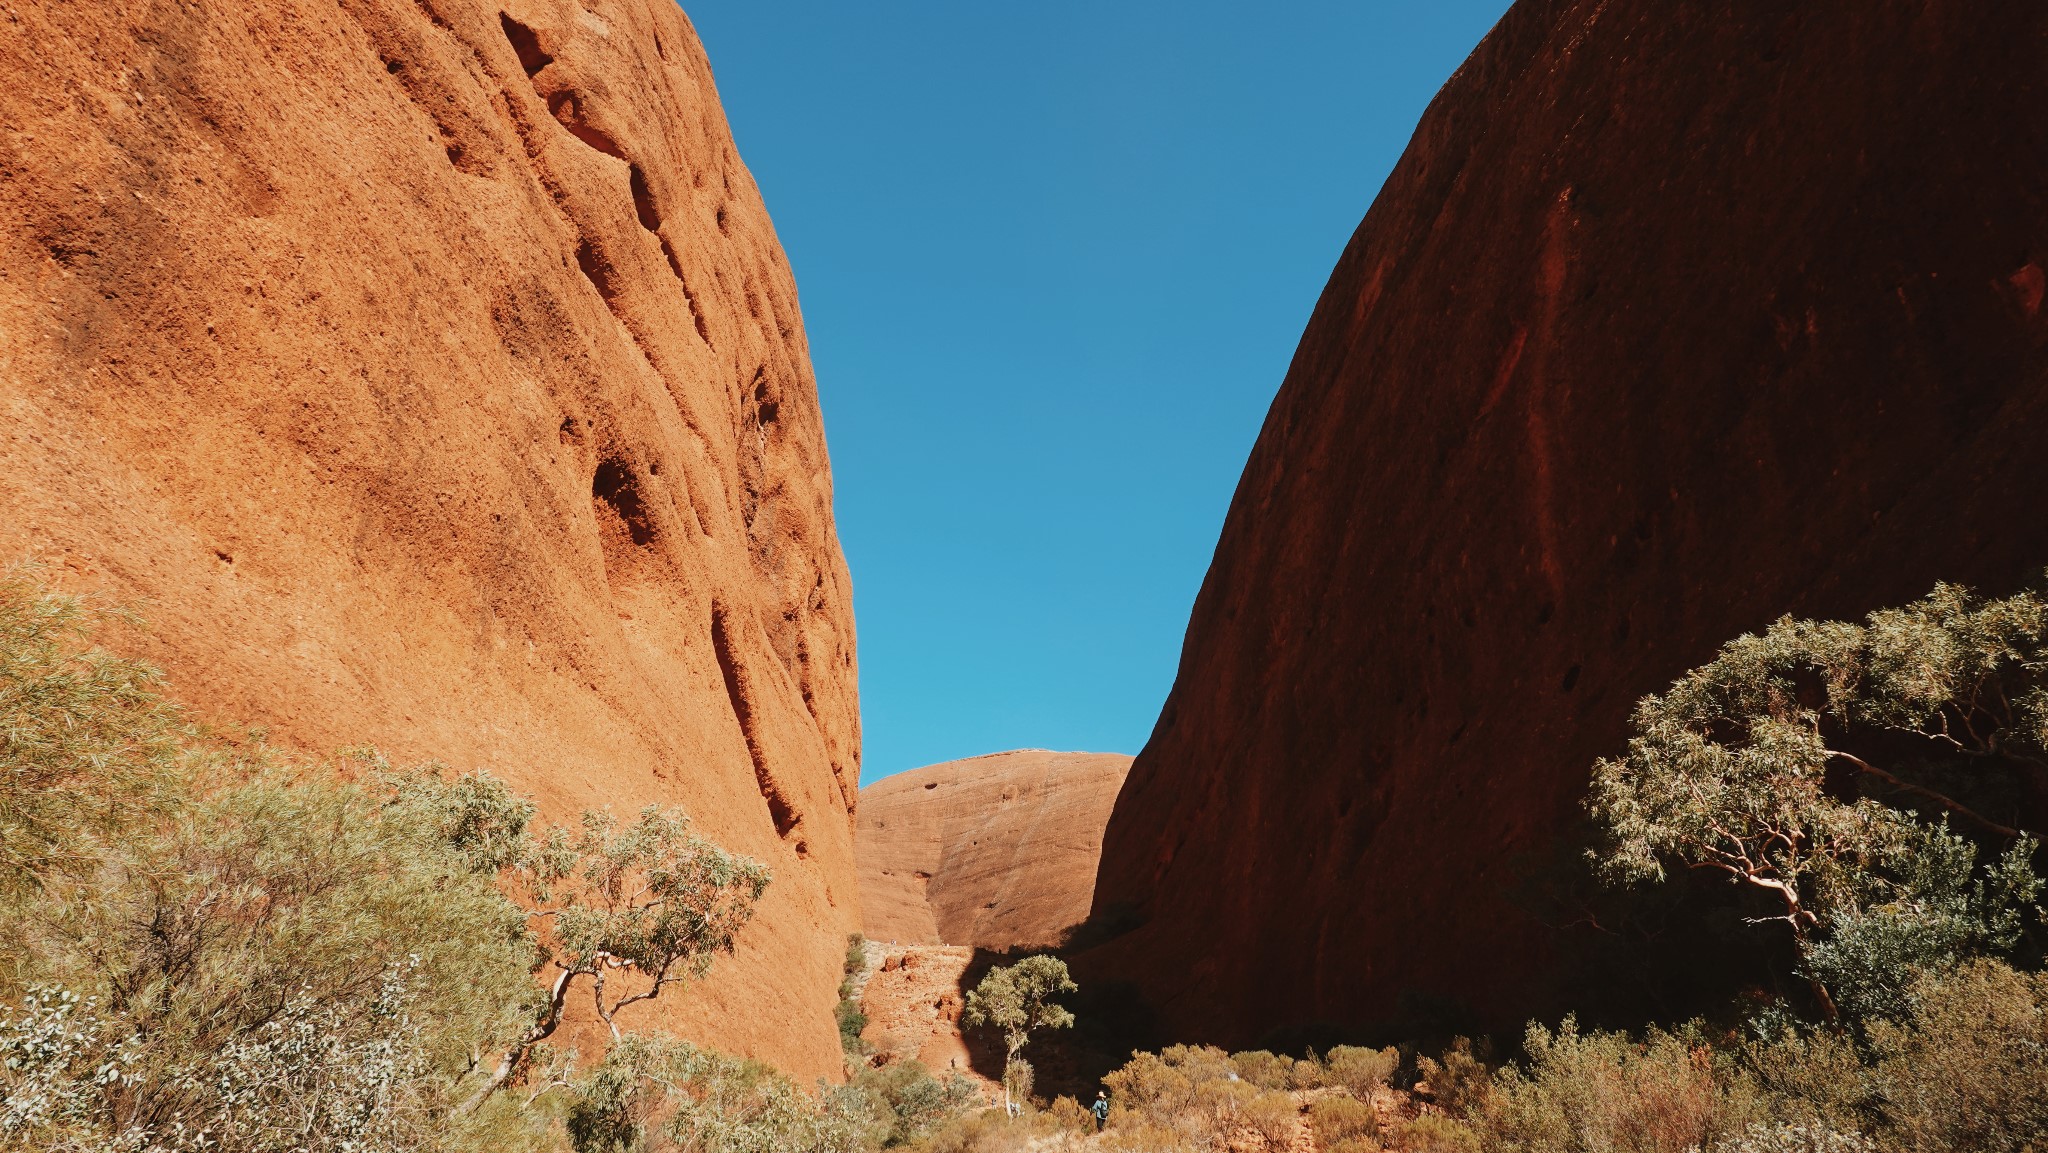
1946	802
541	1031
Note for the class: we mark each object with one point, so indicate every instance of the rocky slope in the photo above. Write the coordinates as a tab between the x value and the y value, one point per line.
1675	317
997	852
429	372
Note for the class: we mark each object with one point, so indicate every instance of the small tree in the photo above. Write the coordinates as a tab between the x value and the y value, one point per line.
1810	765
1017	999
648	900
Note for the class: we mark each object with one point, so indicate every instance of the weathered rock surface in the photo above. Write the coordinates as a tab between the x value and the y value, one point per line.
997	852
1675	317
430	373
912	997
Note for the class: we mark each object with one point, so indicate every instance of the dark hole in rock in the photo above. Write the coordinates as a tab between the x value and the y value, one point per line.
526	43
567	111
596	270
643	201
616	487
1571	679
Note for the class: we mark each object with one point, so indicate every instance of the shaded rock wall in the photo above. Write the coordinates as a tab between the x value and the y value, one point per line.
997	852
1674	317
431	374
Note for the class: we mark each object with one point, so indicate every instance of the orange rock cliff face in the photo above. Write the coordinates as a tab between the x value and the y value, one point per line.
430	374
997	852
1674	317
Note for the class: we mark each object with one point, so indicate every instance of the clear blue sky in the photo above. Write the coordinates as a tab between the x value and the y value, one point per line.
1054	258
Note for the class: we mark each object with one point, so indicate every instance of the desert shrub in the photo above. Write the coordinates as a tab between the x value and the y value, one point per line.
86	737
1272	1115
1162	1084
852	1022
656	1095
1806	1137
1360	1072
912	1101
1195	1093
1436	1133
286	901
1594	1092
1261	1068
210	945
1969	1068
1336	1119
1305	1073
1815	1078
993	1131
1150	1137
1070	1115
1460	1081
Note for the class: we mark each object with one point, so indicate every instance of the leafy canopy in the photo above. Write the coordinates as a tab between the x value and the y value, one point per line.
1018	999
1832	768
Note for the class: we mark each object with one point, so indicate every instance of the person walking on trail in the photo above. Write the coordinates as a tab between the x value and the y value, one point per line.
1100	1109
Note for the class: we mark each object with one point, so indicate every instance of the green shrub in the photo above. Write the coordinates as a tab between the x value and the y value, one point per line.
912	1101
1360	1072
655	1095
208	945
1436	1133
1016	1001
1263	1069
1809	1137
86	737
1336	1119
1272	1115
1778	765
1460	1082
1594	1092
851	1020
1969	1068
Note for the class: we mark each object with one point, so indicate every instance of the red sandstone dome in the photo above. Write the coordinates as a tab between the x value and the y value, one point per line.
997	852
431	376
1675	317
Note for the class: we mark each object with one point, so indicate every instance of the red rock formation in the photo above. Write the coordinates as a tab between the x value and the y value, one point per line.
1675	317
430	372
997	851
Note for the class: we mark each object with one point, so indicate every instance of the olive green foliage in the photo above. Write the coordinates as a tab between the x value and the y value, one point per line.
1360	1072
85	736
1339	1118
217	948
1592	1092
655	1095
991	1131
1017	1000
1733	771
1262	1068
1966	1068
646	901
851	1020
210	945
911	1102
1437	1133
1196	1097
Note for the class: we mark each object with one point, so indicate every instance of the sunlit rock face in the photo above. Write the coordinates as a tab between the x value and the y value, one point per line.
1675	317
429	373
997	852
